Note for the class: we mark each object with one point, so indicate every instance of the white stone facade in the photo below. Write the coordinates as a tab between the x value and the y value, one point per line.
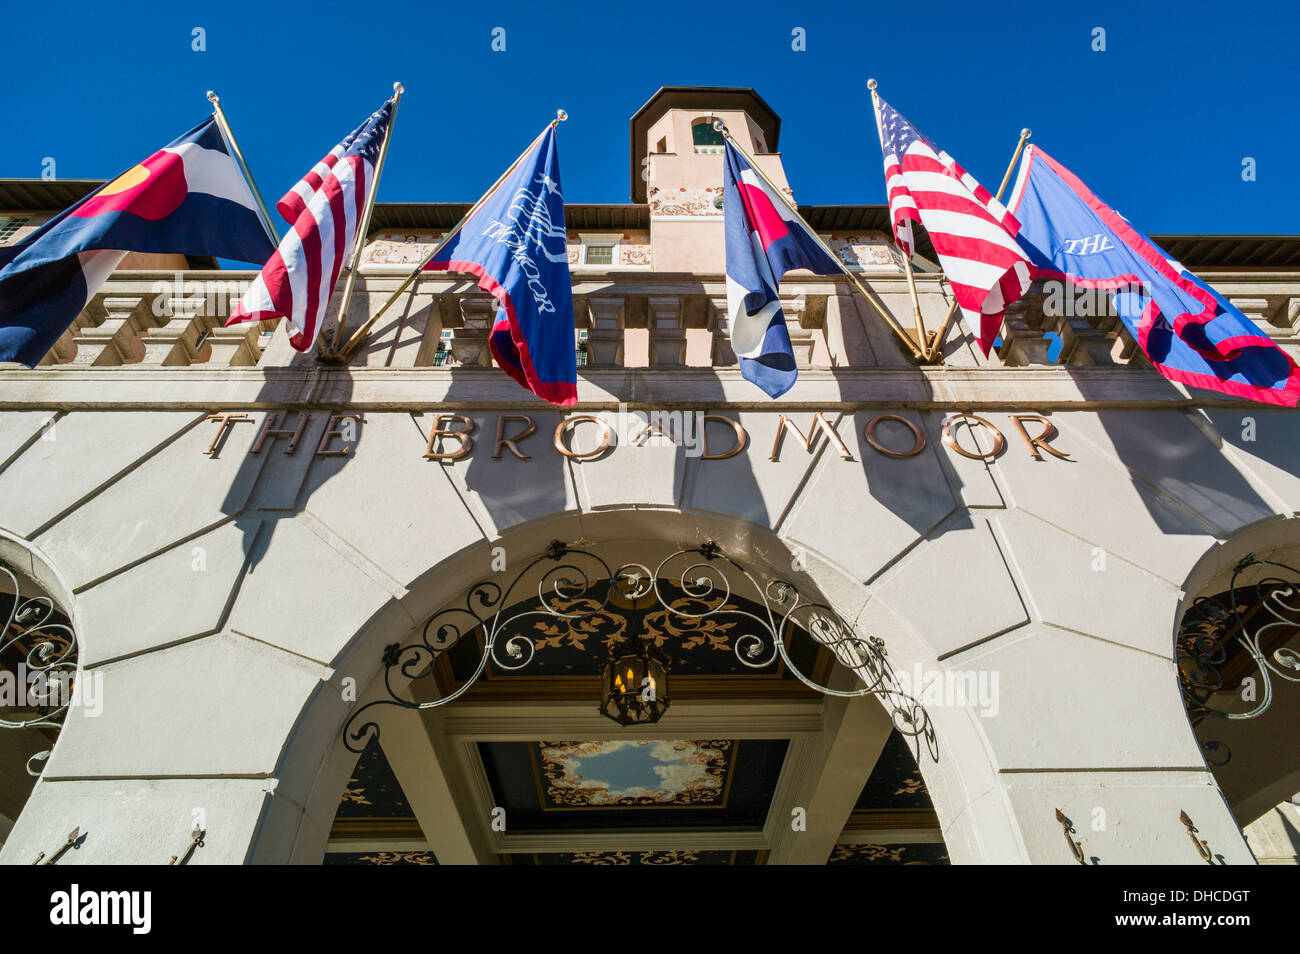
229	599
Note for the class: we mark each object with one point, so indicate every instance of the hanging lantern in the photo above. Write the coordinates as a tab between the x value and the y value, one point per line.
634	686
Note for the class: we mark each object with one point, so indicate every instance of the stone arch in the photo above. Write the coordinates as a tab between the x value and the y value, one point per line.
37	577
1247	756
316	764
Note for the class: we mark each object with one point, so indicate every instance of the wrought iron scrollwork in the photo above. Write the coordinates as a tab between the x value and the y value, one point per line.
580	586
1251	621
39	653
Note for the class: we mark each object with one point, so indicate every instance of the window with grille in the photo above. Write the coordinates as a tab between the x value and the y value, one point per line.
582	348
706	139
598	255
444	350
9	226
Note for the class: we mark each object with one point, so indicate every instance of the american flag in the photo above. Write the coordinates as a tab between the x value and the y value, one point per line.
972	232
324	210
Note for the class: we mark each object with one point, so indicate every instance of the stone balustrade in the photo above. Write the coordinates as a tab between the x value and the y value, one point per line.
645	320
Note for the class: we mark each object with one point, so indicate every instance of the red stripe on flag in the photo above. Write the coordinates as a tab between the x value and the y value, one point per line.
975	249
293	205
308	230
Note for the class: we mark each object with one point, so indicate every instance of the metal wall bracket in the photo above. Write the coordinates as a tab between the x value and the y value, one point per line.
74	837
1067	827
1202	847
196	841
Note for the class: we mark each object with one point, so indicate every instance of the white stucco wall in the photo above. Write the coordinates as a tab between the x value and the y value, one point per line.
224	599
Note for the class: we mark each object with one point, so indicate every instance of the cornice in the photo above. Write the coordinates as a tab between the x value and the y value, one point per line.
1030	388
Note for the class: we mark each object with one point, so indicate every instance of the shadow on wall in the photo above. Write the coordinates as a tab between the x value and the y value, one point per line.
288	454
1174	460
512	474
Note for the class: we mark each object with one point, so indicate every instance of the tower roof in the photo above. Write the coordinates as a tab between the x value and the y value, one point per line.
709	98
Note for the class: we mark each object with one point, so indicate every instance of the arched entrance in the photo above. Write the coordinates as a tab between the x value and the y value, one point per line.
757	764
1238	650
40	680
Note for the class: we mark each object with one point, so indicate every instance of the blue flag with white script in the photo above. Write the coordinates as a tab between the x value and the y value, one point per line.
1191	333
516	244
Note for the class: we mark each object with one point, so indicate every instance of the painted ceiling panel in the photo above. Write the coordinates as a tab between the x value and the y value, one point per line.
603	785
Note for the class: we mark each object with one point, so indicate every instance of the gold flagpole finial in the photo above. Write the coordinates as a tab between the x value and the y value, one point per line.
871	84
213	97
720	126
399	89
1025	133
561	115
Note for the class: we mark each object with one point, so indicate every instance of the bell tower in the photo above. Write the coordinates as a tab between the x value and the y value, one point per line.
677	167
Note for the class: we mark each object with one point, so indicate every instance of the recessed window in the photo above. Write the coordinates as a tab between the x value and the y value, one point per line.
444	350
600	249
598	254
9	226
706	139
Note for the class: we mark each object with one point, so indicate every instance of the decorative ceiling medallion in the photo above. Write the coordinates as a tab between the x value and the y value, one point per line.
631	774
381	858
677	856
607	627
636	858
905	854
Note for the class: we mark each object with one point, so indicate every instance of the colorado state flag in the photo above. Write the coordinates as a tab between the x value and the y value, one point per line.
188	198
765	239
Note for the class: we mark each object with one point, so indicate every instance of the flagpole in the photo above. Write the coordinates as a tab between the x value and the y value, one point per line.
907	259
952	309
360	334
871	298
363	228
229	135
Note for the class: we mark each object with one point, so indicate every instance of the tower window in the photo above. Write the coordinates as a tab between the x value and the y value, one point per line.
9	226
707	140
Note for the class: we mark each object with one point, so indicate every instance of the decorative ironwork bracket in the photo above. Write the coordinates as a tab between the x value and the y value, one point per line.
47	650
701	573
1252	612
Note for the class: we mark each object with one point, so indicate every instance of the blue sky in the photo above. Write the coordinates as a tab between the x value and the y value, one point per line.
1157	125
